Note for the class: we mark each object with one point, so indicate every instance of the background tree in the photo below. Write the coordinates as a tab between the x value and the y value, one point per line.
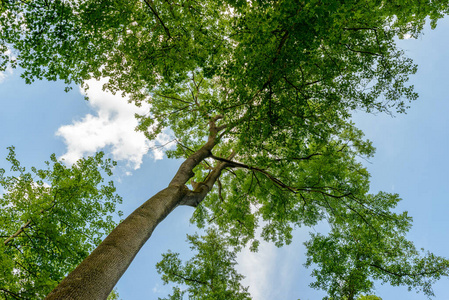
115	296
209	274
257	94
51	219
361	297
368	297
352	256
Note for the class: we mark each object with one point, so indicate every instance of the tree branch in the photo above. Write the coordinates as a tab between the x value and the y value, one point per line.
402	274
173	98
299	158
157	16
21	229
201	189
189	279
360	28
14	295
361	51
268	175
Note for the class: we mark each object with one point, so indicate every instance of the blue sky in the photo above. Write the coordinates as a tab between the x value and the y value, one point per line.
412	160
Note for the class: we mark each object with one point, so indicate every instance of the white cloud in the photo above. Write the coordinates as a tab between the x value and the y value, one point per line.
156	289
113	128
407	36
8	70
258	269
2	76
272	272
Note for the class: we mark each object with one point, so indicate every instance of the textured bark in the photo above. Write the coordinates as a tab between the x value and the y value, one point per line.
201	189
97	275
193	198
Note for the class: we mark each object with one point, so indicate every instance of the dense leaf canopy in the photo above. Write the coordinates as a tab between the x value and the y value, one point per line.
272	84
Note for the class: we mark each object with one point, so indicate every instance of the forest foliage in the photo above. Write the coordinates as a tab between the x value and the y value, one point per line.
258	96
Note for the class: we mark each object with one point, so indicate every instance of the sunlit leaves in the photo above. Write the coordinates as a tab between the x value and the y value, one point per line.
282	79
50	220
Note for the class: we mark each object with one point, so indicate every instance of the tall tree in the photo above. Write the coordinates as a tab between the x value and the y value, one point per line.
258	95
51	219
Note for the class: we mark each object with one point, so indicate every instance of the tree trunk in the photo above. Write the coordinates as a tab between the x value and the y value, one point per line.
97	275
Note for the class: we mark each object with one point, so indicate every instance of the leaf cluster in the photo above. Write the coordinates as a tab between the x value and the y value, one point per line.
51	219
273	84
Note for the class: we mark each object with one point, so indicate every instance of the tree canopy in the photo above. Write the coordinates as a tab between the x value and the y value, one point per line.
258	96
51	219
